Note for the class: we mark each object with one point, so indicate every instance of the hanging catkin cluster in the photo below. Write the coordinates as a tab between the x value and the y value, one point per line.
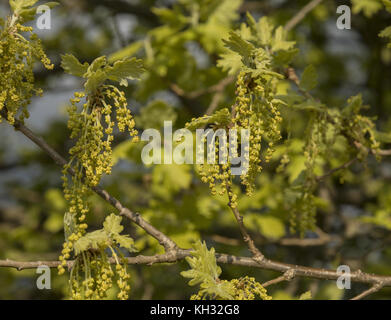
92	276
93	115
93	129
256	110
256	107
303	213
20	48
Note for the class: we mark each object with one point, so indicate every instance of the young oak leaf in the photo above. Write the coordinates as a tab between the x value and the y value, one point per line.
125	69
368	7
279	42
71	65
99	71
92	240
112	224
94	80
205	272
125	241
17	5
220	118
96	65
230	61
95	74
264	31
309	78
386	33
239	45
204	268
101	238
306	295
28	14
113	227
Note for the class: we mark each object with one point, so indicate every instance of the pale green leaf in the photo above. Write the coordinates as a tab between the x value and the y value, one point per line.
112	224
71	65
230	62
226	12
264	29
368	7
279	42
221	117
93	240
385	33
125	241
239	45
28	14
122	70
94	80
172	17
306	295
204	268
96	65
17	5
309	78
170	178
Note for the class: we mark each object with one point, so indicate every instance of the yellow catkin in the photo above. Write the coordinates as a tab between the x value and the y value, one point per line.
18	54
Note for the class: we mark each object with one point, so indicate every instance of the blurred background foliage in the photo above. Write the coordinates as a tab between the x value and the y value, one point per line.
180	44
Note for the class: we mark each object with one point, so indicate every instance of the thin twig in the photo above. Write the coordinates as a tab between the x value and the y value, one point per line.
224	240
219	87
332	171
301	14
179	254
168	257
287	276
257	255
214	103
376	287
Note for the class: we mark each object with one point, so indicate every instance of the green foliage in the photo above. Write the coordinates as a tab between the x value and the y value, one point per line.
368	7
386	33
249	42
154	115
167	179
269	226
305	146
